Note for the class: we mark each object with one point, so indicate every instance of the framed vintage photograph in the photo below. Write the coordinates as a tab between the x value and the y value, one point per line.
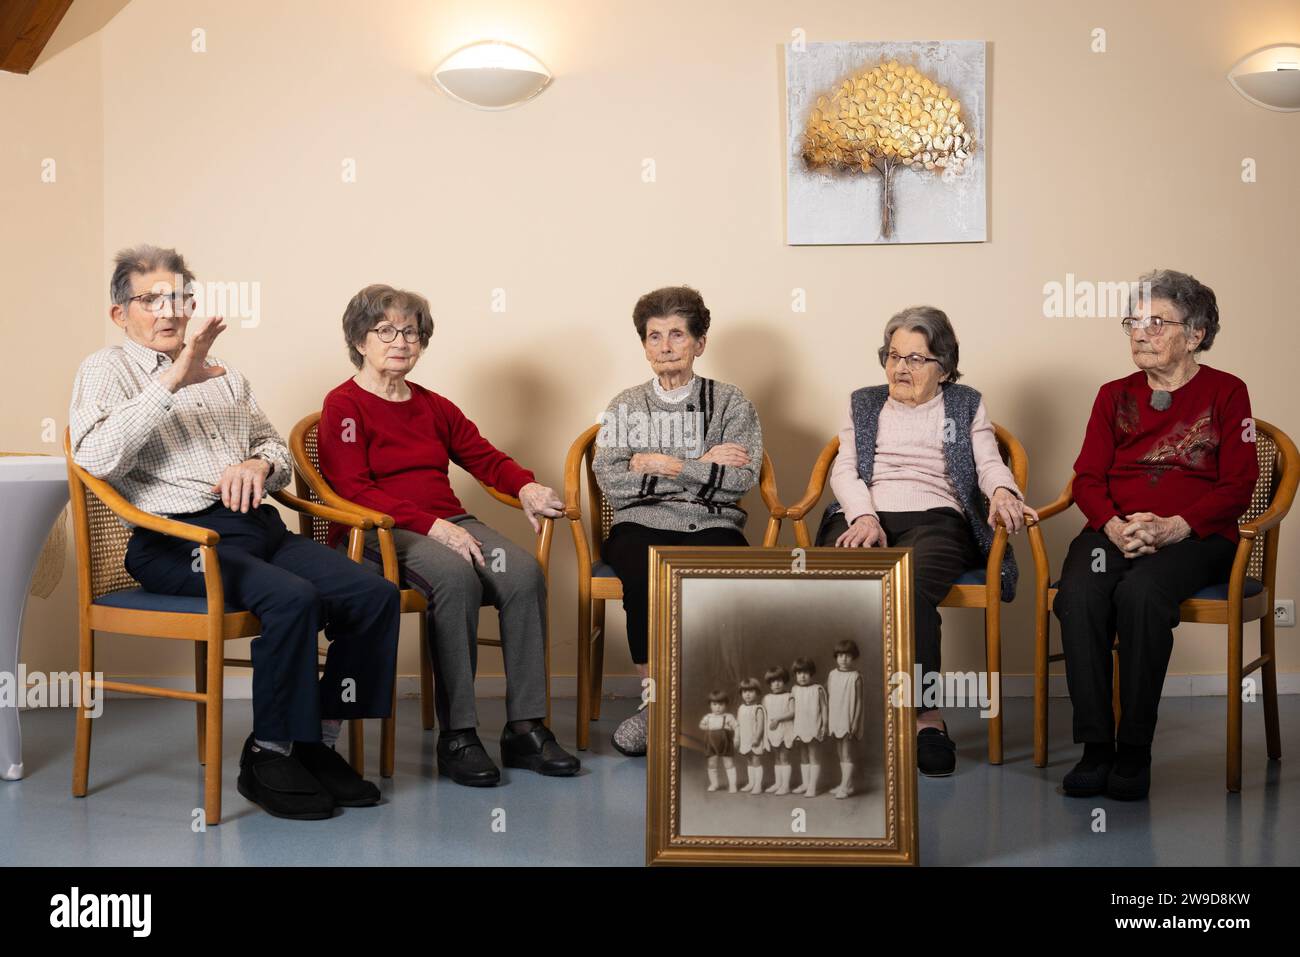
775	738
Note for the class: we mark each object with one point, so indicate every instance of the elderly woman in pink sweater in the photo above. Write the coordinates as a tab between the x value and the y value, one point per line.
917	460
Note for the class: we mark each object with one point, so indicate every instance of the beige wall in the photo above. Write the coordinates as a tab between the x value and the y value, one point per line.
1101	165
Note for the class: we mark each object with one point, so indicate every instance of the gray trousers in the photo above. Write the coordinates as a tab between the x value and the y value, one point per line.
512	581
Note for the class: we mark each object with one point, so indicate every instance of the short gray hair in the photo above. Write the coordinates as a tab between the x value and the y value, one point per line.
139	260
372	304
939	336
1194	299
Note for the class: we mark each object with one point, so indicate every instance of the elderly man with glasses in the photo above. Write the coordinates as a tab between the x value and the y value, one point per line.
1167	467
180	434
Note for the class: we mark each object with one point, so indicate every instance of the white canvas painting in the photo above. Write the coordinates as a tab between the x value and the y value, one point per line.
870	167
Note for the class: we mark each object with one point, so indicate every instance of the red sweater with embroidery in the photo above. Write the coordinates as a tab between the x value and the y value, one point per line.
394	456
1195	459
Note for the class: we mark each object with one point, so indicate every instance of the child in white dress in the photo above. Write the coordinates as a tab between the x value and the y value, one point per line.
810	716
844	690
751	733
719	743
779	706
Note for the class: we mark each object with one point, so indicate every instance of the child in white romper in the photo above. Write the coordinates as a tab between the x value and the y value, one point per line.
810	715
844	689
779	706
719	744
751	733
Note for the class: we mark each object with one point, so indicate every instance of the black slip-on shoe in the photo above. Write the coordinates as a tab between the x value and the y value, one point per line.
281	785
1132	785
936	753
1087	778
462	758
327	766
537	750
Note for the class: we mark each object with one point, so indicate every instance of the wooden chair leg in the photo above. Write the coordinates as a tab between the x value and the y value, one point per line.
201	687
212	737
357	745
597	657
81	754
1042	645
426	675
993	654
1234	705
584	669
388	739
1268	648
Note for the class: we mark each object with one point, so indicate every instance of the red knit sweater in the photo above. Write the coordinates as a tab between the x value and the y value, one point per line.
394	456
1195	459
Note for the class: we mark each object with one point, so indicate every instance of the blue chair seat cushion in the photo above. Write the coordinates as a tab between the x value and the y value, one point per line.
603	570
137	599
1217	592
976	576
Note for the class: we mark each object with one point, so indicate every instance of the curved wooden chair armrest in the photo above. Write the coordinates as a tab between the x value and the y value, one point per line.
1017	458
816	482
342	516
1063	501
573	473
767	488
123	509
1270	518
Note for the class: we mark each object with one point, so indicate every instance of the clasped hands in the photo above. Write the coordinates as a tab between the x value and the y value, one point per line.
1142	533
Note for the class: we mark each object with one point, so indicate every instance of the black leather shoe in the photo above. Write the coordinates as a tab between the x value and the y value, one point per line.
461	757
281	785
936	753
1128	786
327	766
1086	779
537	750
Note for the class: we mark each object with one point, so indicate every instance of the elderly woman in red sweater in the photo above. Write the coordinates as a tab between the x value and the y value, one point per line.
387	443
1166	469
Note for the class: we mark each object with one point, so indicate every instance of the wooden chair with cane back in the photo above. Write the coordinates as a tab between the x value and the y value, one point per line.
109	599
597	582
312	486
1247	595
977	588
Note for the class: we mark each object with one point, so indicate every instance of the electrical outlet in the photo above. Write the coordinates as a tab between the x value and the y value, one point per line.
1284	613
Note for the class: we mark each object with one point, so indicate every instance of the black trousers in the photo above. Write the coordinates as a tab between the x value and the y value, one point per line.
628	550
295	587
1102	594
943	549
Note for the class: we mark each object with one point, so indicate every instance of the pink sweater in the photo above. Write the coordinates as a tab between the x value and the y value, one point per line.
909	474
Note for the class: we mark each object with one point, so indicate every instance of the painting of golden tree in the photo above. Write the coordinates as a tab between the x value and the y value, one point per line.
875	116
883	118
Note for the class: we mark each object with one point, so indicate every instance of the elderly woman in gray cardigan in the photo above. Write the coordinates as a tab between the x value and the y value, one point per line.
915	456
674	457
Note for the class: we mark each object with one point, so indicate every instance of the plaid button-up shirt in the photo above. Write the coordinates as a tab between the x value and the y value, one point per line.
164	452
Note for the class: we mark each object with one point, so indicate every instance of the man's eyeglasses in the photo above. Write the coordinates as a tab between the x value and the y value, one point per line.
1154	323
182	303
388	333
914	361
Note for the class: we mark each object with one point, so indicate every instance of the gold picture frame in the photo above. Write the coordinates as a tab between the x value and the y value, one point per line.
727	611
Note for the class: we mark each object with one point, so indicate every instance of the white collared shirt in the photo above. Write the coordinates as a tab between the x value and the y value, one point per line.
164	452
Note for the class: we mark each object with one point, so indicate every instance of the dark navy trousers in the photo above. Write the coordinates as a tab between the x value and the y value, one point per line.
295	587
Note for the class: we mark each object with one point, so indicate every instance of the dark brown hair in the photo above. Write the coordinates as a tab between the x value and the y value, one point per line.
672	301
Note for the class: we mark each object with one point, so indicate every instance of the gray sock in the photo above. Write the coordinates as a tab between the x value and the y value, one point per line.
279	747
329	731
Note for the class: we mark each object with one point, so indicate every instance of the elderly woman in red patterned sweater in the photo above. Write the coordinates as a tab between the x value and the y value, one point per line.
1167	467
387	444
